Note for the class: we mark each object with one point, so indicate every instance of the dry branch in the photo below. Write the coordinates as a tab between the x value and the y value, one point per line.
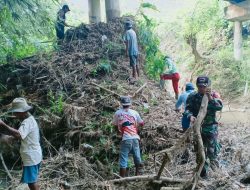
148	178
179	145
197	136
5	167
139	90
107	90
171	188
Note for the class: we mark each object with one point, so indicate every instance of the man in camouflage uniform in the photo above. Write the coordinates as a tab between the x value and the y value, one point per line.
209	130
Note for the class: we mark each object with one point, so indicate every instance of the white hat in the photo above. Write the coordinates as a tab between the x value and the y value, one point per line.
20	105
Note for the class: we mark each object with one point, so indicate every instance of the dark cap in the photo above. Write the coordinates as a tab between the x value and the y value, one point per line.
65	7
125	100
128	24
203	81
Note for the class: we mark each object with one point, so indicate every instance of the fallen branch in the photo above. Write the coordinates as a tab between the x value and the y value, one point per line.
46	112
165	161
197	137
102	99
139	90
107	90
178	145
165	169
171	188
5	167
148	178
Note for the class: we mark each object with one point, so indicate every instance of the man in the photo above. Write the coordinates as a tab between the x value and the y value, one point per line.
127	122
28	133
209	130
60	23
183	97
132	51
182	100
170	73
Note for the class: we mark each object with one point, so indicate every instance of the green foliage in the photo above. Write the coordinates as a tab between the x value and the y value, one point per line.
23	24
207	26
230	86
149	6
112	46
56	103
145	157
103	67
206	14
2	87
150	42
108	128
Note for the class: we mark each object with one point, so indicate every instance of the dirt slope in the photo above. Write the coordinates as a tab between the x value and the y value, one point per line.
81	146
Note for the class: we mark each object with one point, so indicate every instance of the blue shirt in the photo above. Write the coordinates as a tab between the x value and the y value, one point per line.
182	99
130	37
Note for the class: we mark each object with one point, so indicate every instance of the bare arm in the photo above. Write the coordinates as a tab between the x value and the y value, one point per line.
15	133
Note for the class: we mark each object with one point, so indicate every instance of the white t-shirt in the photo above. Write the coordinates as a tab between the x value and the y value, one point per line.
30	149
127	121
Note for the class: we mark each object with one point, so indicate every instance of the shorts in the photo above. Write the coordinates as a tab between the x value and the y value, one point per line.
133	60
30	174
127	147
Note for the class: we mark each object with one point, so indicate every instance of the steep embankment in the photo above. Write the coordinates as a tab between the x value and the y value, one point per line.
75	92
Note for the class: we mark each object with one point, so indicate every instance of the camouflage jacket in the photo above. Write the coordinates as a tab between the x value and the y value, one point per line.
193	106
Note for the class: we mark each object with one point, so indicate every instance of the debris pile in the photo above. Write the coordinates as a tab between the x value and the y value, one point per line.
75	92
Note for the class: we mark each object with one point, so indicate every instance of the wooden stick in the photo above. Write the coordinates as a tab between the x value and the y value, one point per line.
197	133
178	144
107	90
139	89
166	159
147	178
5	167
102	99
200	153
165	169
171	188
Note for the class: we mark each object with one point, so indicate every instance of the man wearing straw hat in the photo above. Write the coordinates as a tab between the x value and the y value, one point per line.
28	133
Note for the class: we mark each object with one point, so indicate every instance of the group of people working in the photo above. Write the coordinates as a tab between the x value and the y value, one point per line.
126	120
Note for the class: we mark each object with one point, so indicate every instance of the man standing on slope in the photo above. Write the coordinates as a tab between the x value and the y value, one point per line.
132	51
127	122
209	128
61	23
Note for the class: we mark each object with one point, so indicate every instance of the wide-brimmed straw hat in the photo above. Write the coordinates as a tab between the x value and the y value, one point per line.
19	105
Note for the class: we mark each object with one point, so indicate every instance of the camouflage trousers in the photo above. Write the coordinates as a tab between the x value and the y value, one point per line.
212	147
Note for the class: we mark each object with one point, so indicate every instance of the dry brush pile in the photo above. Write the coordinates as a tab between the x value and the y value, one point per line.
75	92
